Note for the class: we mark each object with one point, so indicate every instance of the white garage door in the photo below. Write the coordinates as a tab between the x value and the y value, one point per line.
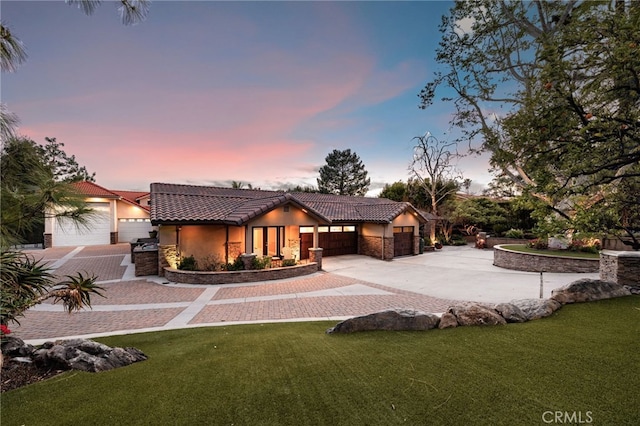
130	229
97	231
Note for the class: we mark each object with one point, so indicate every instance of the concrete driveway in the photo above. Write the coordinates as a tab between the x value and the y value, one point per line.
348	286
458	273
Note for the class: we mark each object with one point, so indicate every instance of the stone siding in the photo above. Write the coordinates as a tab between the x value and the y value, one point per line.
167	257
230	277
530	262
620	267
315	255
48	241
113	237
146	262
372	246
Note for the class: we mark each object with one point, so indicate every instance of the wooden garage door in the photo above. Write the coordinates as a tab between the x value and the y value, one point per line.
335	241
402	240
97	231
338	241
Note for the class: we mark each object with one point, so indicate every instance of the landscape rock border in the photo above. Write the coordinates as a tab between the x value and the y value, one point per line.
73	354
472	313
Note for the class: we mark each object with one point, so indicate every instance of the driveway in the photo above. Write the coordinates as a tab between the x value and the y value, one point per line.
459	273
348	286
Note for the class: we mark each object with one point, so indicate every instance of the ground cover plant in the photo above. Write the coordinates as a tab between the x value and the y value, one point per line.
548	252
583	360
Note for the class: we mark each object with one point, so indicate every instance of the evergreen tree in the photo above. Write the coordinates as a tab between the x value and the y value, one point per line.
344	174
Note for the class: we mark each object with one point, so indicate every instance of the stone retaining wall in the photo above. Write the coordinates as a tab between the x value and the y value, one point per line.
491	242
230	277
530	262
622	267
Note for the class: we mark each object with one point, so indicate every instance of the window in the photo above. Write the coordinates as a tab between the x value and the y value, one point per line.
349	228
399	229
306	229
336	229
323	229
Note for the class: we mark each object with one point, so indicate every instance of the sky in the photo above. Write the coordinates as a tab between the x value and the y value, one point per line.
207	92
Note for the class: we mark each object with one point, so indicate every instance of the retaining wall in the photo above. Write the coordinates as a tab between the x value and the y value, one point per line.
230	277
622	267
531	262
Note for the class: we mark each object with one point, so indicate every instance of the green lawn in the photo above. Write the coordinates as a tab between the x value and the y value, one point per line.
563	253
584	358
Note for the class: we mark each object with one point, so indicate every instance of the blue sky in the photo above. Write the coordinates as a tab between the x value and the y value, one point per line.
208	92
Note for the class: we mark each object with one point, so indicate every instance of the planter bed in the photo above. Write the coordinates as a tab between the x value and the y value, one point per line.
533	262
231	277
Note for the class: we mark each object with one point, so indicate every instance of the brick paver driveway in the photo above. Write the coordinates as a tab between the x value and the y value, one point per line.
133	304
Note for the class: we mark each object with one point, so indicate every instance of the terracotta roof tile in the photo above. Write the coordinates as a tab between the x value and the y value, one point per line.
175	204
91	189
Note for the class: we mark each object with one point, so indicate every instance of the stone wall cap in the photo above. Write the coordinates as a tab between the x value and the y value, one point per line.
621	253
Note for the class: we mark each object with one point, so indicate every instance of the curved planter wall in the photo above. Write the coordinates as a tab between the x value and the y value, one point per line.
230	277
530	262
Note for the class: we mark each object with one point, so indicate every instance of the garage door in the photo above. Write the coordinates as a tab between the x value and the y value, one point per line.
130	229
97	231
338	240
334	240
402	240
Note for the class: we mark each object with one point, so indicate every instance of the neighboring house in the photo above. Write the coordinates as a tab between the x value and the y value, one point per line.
222	223
118	216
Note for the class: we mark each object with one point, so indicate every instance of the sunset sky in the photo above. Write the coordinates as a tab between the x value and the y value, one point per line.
208	92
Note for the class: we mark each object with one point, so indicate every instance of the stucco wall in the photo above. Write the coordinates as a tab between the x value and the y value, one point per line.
126	210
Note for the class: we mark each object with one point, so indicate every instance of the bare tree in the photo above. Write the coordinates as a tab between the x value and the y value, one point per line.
433	168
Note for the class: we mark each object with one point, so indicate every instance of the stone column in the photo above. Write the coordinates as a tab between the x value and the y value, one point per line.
315	255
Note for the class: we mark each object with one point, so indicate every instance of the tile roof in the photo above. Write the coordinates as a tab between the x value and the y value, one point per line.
133	197
91	189
190	204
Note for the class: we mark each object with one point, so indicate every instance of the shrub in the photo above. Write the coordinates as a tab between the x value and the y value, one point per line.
289	262
261	263
211	263
538	244
514	233
188	263
237	265
586	245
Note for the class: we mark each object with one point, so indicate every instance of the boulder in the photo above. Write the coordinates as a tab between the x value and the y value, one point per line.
391	320
476	314
587	290
16	347
85	355
536	308
510	312
448	320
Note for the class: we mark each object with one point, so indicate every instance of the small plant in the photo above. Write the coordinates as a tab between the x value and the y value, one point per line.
289	262
538	244
261	263
585	245
211	263
188	263
514	233
236	265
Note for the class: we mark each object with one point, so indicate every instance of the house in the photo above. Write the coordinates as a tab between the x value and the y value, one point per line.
118	216
222	223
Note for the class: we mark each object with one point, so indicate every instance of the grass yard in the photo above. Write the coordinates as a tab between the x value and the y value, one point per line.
562	253
583	361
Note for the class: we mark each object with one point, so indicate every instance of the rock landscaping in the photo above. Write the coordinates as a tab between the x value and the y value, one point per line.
471	313
24	364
